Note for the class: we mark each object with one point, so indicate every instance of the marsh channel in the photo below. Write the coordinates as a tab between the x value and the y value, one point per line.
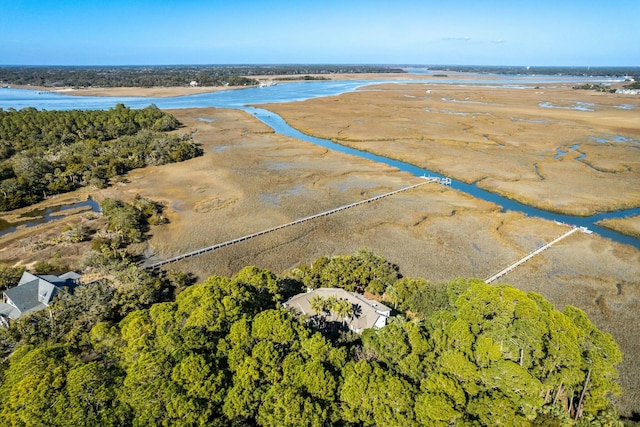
245	99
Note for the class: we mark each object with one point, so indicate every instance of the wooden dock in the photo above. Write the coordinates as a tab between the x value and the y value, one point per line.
532	254
158	264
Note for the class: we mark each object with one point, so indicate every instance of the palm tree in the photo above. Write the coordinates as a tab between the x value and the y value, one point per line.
319	304
343	309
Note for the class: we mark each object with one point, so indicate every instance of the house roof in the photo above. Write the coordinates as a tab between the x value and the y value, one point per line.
70	275
7	310
67	279
26	277
31	296
367	313
34	293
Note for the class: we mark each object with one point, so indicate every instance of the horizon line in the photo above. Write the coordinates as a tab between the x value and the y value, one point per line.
264	64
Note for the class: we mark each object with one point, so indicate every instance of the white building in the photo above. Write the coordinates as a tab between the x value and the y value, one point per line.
367	313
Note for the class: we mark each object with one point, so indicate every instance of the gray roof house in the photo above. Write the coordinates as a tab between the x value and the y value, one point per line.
367	313
33	293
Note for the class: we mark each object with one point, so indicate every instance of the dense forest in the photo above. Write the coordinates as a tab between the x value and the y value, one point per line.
168	76
139	349
49	152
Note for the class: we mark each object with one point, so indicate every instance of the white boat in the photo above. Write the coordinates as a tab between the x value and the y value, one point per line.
586	230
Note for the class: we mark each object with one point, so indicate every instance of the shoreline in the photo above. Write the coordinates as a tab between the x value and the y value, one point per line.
144	92
173	91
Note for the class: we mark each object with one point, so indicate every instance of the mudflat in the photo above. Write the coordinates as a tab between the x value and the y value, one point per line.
250	179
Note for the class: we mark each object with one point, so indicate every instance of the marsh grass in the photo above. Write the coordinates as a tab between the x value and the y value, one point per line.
431	231
499	137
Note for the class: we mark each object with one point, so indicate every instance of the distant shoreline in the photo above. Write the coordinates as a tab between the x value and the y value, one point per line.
172	91
146	92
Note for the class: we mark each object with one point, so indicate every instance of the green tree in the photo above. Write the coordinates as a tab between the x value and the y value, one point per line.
281	374
9	276
319	304
370	395
48	152
285	406
172	375
600	355
343	310
90	396
524	354
33	387
222	354
354	273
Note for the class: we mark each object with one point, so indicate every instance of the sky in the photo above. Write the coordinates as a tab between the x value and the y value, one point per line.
463	32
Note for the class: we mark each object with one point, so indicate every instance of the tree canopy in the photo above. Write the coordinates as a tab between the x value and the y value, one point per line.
359	272
49	152
224	352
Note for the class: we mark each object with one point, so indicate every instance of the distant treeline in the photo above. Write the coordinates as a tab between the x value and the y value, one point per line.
167	76
319	69
49	152
305	77
553	71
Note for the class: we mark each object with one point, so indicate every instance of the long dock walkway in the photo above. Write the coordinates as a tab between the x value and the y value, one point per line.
201	251
531	255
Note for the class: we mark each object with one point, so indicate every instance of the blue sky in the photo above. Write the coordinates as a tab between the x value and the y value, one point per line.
145	32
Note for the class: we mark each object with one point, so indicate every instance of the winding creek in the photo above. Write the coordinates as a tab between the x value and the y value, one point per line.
242	98
41	216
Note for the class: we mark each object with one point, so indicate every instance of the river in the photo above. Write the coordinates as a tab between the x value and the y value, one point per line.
242	98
